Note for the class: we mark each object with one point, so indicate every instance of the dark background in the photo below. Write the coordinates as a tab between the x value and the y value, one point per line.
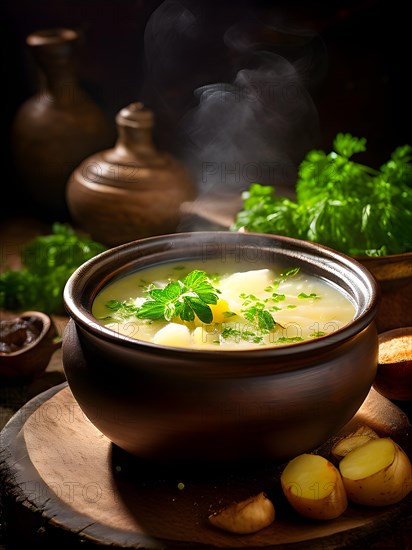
359	82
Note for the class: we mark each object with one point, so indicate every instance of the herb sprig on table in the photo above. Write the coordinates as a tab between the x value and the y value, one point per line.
47	263
339	202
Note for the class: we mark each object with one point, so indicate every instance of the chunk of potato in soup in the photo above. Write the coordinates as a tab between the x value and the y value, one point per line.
244	309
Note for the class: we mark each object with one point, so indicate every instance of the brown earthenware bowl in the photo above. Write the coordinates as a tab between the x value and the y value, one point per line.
394	276
171	405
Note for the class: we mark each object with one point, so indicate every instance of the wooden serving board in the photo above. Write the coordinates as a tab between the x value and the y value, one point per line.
65	485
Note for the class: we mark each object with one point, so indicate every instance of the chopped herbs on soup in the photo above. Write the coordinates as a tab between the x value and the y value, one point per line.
183	306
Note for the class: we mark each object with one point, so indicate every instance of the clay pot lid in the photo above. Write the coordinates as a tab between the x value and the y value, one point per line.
45	37
135	115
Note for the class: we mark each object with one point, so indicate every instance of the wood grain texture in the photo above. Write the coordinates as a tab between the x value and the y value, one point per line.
66	486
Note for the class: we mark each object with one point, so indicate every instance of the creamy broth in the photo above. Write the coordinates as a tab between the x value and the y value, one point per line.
254	308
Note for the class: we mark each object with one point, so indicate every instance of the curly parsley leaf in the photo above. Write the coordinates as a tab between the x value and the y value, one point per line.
47	263
121	310
346	145
340	202
185	298
255	311
231	333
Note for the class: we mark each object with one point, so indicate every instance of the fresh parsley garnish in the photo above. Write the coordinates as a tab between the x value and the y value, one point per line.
312	295
317	334
276	297
121	310
230	333
283	276
289	340
257	314
184	298
255	311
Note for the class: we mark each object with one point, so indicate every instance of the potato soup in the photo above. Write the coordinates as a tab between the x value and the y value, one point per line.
183	305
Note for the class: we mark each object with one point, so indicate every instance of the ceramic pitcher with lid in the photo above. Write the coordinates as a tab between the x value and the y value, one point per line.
132	190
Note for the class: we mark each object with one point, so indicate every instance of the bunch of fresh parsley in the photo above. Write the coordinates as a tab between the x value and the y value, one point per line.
47	263
340	203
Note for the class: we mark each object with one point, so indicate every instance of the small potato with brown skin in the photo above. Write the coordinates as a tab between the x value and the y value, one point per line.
314	488
245	517
378	473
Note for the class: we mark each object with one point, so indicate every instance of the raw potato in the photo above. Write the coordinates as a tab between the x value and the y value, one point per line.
245	517
350	442
378	473
314	487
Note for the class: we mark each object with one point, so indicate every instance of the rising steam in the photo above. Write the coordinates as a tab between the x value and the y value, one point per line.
234	93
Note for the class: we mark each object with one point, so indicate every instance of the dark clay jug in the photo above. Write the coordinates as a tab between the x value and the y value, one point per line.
58	127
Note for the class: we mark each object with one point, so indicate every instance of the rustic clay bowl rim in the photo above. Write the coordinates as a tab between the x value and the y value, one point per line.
85	283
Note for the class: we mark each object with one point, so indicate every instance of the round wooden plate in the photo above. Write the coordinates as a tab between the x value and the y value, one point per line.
64	484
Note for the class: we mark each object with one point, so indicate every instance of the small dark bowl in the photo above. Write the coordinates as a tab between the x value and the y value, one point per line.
394	374
170	404
31	359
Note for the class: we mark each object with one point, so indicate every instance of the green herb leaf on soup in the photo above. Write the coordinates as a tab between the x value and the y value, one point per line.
184	298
